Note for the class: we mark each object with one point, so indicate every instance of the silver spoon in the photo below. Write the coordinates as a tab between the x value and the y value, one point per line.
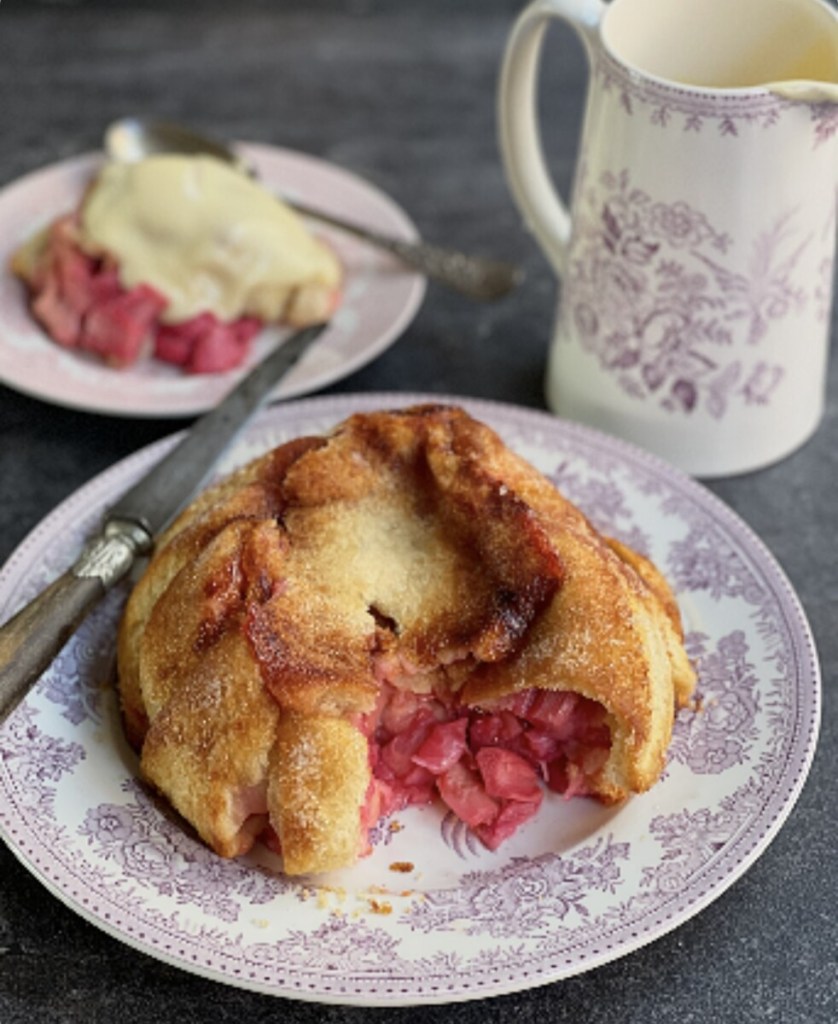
132	139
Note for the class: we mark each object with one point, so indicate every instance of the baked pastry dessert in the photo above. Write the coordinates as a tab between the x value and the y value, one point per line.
399	611
184	256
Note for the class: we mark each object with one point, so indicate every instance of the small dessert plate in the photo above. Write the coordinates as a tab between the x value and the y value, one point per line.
380	296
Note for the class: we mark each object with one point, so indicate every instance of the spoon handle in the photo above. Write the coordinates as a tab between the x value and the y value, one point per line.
472	276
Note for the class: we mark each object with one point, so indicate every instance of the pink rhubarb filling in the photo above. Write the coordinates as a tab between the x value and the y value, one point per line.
80	302
489	766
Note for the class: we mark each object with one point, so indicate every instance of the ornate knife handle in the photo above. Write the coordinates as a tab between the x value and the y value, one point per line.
31	639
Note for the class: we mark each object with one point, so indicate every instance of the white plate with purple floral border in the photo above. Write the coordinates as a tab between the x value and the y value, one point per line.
380	296
430	915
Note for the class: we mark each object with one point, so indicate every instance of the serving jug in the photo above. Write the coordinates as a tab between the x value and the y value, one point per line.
695	258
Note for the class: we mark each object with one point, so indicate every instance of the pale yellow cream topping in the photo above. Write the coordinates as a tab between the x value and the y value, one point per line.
204	235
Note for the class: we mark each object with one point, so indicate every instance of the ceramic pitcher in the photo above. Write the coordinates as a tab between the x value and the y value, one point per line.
696	255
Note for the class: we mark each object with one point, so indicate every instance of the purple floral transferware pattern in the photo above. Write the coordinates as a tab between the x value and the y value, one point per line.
721	730
668	105
662	303
153	850
38	760
526	897
578	886
77	685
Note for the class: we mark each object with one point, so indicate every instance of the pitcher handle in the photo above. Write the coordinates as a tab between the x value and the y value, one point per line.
545	213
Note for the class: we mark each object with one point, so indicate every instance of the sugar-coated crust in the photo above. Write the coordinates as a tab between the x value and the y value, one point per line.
248	495
607	635
412	546
660	598
319	779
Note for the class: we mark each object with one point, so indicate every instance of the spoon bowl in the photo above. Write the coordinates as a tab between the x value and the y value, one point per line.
131	139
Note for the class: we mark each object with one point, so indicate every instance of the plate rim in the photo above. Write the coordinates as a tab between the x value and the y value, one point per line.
720	876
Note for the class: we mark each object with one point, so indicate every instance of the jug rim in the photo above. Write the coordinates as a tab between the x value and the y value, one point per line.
792	90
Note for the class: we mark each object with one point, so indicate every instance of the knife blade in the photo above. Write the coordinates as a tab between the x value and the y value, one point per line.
33	636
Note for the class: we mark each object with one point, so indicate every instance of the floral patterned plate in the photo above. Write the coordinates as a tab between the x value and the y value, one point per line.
431	916
380	297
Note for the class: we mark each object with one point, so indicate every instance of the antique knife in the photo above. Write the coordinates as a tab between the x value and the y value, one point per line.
33	637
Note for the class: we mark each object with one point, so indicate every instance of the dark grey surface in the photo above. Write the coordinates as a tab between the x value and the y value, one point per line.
403	94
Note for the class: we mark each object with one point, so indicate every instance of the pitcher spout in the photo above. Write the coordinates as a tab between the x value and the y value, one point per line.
801	91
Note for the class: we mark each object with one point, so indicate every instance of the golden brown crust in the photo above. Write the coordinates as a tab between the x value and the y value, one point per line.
319	779
212	725
209	747
412	546
248	495
661	597
378	533
607	635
